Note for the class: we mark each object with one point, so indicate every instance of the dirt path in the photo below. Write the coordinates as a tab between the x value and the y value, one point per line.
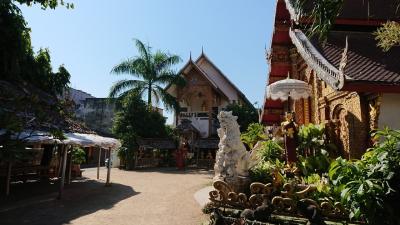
148	197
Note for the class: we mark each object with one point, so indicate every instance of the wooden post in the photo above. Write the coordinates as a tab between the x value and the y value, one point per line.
108	167
8	178
98	165
57	173
197	153
64	162
70	167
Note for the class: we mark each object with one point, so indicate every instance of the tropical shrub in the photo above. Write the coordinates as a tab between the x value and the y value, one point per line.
322	185
127	157
78	156
311	139
263	172
254	133
318	163
369	187
270	151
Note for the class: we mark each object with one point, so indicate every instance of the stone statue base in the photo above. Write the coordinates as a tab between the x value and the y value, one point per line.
239	184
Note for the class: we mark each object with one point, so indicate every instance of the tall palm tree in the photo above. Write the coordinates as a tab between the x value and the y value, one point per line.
154	71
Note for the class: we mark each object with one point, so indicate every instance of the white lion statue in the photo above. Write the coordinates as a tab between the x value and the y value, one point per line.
232	158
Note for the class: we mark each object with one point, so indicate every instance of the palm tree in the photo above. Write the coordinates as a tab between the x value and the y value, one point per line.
154	71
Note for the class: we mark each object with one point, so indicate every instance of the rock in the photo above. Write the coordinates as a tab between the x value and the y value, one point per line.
310	212
263	213
247	214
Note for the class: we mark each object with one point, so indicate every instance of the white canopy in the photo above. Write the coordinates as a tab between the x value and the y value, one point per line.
283	89
88	140
84	140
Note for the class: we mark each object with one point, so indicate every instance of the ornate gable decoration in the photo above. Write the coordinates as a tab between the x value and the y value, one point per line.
325	70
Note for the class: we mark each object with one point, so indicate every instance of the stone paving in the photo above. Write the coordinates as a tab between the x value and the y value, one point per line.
146	197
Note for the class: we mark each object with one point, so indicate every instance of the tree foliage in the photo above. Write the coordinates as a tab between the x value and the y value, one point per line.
18	63
52	4
323	15
154	72
29	87
388	35
132	121
246	114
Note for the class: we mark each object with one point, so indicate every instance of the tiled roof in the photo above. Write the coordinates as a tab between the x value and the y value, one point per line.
29	96
365	61
159	143
207	143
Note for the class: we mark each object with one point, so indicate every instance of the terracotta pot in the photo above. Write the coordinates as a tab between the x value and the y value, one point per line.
76	170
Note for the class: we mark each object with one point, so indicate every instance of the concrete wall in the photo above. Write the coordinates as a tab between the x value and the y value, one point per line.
390	111
97	114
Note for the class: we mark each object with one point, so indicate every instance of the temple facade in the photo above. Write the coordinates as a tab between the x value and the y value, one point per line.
206	93
355	85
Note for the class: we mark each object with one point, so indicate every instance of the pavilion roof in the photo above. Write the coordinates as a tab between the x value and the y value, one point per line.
79	139
207	143
159	143
40	132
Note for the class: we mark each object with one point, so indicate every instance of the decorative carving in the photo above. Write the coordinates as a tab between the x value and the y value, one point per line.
279	54
374	110
232	158
325	70
284	202
344	130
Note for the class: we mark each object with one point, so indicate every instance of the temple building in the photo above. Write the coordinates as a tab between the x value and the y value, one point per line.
355	86
206	93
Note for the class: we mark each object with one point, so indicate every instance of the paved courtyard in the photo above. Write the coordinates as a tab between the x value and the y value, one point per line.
158	196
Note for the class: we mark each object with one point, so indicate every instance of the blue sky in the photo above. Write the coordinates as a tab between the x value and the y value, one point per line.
90	39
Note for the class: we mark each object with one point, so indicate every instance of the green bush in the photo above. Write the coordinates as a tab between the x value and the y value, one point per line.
78	156
270	151
264	170
127	157
369	187
322	184
254	133
318	163
311	139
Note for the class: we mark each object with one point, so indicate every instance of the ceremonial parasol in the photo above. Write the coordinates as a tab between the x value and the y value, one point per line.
288	88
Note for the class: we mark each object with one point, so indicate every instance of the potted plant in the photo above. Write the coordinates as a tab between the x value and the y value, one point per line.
78	157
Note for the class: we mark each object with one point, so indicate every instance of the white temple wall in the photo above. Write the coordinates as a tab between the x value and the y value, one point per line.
390	111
